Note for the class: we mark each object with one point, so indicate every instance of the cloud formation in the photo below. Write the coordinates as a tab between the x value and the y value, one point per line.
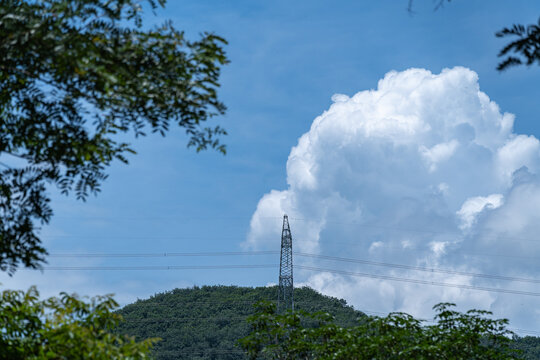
425	170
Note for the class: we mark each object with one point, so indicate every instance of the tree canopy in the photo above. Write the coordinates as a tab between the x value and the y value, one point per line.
74	74
455	335
63	328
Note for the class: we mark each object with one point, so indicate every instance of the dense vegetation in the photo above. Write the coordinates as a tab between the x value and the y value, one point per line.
206	322
64	327
397	336
529	346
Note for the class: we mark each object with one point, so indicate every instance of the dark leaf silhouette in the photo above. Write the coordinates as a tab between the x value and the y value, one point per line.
75	74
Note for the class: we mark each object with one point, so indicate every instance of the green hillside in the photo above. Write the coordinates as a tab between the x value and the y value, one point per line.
205	322
530	347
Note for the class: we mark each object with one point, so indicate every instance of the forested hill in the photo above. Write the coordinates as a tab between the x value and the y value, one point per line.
530	347
205	322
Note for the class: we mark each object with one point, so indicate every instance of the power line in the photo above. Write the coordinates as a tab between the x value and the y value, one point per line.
423	282
342	272
418	268
157	254
153	217
153	237
170	267
375	226
434	232
453	251
308	255
163	254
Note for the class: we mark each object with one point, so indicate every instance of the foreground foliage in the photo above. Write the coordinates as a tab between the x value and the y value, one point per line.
63	328
74	75
455	335
524	49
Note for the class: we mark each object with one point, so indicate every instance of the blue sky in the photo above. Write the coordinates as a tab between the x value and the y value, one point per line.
287	61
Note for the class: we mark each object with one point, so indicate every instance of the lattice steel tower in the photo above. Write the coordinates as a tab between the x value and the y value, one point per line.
285	289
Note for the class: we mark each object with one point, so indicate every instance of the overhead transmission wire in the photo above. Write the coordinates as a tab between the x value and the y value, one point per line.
160	267
163	254
417	268
375	226
327	221
302	254
435	232
310	268
138	237
469	287
417	281
269	252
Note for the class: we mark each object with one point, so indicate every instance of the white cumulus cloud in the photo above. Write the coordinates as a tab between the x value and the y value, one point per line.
426	171
473	206
438	153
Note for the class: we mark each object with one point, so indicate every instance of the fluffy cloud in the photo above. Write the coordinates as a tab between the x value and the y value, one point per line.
425	170
474	206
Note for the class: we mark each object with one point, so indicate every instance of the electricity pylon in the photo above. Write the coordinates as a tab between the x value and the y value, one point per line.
285	289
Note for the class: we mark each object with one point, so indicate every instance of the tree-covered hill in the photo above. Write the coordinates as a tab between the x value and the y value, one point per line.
530	347
205	322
